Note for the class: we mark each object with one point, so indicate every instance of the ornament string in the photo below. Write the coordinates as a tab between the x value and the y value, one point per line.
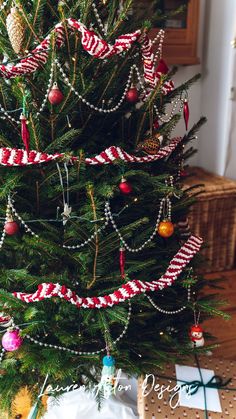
65	195
196	317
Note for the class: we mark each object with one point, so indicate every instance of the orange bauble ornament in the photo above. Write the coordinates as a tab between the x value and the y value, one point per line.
166	228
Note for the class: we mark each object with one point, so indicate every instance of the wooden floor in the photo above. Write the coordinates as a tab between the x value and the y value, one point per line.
225	331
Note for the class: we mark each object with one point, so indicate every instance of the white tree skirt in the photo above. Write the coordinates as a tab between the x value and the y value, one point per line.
79	404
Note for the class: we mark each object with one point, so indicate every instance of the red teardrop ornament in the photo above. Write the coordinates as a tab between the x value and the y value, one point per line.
186	113
25	135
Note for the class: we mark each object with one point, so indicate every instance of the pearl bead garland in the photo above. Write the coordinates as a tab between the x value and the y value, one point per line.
43	105
7	115
2	355
109	215
165	209
50	82
90	105
172	312
160	35
27	228
74	352
99	20
161	310
78	246
167	118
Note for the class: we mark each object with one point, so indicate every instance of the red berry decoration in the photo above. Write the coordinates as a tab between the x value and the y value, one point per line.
132	95
125	187
156	124
11	227
166	229
55	96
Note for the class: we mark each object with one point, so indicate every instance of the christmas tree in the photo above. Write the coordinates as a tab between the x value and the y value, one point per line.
96	255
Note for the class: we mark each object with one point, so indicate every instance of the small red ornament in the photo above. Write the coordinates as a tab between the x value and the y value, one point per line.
162	67
166	229
125	187
132	95
25	135
55	96
196	336
11	227
183	173
186	113
156	124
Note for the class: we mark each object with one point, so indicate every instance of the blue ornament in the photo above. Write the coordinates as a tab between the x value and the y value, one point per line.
108	361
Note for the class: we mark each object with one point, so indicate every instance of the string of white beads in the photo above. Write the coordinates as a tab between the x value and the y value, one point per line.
160	36
74	352
78	246
167	117
3	236
90	105
49	86
108	215
161	310
2	355
8	115
99	20
43	105
15	213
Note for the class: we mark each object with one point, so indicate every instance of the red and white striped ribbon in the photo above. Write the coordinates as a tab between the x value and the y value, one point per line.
126	291
90	41
95	46
20	157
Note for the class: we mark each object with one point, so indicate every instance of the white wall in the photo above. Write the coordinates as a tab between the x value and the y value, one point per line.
195	93
217	73
211	96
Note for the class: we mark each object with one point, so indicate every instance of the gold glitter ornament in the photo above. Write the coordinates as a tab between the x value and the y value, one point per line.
151	145
15	29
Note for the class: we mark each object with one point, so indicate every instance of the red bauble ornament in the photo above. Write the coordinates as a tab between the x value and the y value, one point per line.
55	96
11	227
125	187
186	113
132	95
166	229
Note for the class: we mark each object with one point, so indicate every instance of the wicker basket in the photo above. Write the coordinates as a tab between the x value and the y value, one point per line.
213	218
